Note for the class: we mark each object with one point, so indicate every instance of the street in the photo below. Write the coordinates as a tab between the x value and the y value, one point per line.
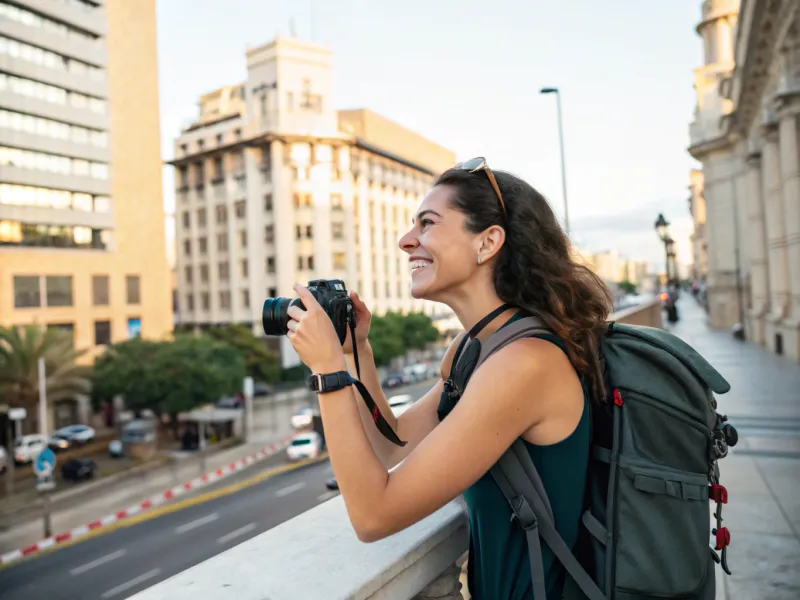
120	563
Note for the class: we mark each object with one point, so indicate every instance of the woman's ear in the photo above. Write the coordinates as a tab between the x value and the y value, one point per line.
491	241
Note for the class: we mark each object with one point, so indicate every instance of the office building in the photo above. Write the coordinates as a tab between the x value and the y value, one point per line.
275	186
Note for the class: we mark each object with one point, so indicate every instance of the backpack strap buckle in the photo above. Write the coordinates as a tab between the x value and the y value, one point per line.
718	493
523	513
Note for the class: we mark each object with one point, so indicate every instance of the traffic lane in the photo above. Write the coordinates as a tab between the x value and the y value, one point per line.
130	559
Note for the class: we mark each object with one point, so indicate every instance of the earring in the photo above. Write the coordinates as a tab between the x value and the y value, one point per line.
479	260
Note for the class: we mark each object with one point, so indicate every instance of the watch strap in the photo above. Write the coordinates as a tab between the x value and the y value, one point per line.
330	382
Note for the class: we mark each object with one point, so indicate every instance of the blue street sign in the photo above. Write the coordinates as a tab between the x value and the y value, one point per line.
45	463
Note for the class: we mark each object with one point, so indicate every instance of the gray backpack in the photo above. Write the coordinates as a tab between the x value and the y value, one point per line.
652	473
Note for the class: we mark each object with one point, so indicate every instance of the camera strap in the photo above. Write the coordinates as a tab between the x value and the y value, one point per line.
380	422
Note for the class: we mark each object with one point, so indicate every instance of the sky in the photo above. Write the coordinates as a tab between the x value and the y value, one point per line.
467	74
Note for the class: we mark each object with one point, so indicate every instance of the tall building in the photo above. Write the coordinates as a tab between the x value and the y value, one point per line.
697	208
82	243
746	133
275	186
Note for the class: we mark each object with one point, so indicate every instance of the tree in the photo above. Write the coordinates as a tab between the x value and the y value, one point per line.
260	362
386	337
418	331
626	287
169	377
20	349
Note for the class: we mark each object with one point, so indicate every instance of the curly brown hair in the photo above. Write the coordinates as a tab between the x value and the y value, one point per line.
535	269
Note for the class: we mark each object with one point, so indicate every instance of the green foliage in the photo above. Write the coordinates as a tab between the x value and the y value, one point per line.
168	377
627	287
260	362
20	349
393	334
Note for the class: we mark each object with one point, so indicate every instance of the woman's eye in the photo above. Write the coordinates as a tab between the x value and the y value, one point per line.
426	222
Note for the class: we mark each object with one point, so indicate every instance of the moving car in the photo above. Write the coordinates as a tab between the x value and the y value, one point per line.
27	448
81	434
400	404
302	418
78	469
304	445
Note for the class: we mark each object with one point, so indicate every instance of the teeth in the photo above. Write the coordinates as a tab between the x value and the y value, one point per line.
418	264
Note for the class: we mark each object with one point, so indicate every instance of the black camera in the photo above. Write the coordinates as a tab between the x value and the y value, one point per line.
332	297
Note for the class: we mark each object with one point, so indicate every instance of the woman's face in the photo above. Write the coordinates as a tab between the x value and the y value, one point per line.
442	252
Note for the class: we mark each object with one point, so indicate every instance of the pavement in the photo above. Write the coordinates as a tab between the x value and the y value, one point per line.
762	472
120	563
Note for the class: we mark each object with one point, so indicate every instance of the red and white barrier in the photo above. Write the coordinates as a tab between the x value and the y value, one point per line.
155	500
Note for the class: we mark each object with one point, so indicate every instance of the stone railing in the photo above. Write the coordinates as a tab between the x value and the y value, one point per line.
317	556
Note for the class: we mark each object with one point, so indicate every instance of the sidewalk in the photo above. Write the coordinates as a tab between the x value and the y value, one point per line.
762	473
119	496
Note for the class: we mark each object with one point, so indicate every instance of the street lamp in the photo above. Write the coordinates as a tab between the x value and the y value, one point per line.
551	90
662	228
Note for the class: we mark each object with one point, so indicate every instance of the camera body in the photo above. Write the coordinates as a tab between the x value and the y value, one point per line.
332	297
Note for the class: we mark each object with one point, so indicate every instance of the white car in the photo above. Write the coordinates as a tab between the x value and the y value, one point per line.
81	434
302	418
304	445
27	448
3	460
400	404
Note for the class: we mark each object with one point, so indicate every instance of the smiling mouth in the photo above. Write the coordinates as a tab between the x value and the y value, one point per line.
419	264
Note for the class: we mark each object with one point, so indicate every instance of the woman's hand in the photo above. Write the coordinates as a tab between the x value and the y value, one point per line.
363	318
312	335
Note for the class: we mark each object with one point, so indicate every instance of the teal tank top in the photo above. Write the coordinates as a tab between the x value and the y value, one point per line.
499	568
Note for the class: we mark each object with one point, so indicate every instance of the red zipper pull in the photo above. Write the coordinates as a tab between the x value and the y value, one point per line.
617	397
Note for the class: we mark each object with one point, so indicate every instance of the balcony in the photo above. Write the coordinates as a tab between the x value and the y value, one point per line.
317	555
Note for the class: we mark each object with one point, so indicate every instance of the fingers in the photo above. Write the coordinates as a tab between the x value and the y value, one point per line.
307	297
295	312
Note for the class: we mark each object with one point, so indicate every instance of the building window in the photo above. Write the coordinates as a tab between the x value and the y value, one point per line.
336	201
268	202
27	293
269	234
222	242
219	171
102	333
311	262
300	263
59	290
205	301
337	230
243	238
222	213
299	231
225	300
201	217
243	267
189	302
186	220
309	231
271	264
339	261
187	247
245	298
272	292
202	245
188	274
134	327
203	273
132	287
240	208
224	271
100	290
66	328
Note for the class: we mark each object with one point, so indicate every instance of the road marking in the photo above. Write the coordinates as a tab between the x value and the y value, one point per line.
290	489
100	561
132	583
196	523
327	496
234	534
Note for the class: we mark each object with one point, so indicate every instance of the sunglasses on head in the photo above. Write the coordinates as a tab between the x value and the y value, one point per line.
479	164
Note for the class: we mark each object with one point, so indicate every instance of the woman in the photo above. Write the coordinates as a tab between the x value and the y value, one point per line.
479	241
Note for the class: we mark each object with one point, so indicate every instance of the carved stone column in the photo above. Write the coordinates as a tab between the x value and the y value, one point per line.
756	234
445	587
776	234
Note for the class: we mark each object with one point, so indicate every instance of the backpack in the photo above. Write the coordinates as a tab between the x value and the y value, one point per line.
652	473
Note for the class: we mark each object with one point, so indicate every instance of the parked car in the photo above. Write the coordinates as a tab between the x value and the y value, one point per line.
400	404
80	434
332	484
304	445
27	448
77	469
302	418
115	449
3	460
395	380
59	442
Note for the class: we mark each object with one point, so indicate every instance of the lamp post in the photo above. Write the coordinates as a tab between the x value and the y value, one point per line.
552	90
662	229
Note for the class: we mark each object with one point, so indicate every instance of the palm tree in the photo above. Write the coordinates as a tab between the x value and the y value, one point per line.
20	349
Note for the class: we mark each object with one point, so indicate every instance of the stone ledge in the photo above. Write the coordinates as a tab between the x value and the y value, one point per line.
317	555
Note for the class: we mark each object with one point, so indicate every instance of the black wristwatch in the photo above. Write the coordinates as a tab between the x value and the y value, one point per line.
330	382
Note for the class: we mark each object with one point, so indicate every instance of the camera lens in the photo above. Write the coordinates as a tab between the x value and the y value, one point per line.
273	316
